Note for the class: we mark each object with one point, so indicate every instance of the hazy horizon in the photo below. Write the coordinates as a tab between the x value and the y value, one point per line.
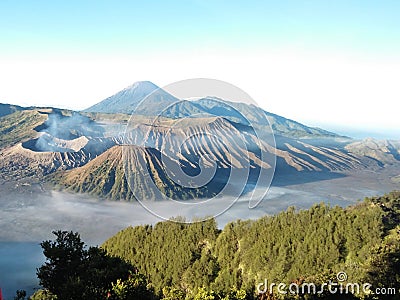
354	131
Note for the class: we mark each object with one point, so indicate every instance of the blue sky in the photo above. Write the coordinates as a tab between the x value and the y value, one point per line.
296	58
110	27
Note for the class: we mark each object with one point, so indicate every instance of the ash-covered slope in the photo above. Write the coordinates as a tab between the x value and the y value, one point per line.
153	152
383	151
107	176
215	139
148	153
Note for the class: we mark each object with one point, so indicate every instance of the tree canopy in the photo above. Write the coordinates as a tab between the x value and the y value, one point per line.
179	261
73	271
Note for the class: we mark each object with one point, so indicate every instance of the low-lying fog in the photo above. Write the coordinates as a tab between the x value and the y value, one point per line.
28	218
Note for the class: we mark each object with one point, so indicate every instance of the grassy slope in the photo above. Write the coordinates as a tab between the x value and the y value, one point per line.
19	126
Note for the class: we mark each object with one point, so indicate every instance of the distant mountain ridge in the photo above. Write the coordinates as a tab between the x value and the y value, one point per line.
159	102
6	109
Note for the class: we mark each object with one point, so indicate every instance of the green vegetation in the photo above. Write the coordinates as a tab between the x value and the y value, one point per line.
177	261
7	109
74	272
19	126
294	246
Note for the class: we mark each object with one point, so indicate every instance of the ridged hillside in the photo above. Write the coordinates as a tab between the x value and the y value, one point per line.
106	176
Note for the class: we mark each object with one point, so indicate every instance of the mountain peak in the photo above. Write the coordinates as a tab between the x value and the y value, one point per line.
143	86
128	100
